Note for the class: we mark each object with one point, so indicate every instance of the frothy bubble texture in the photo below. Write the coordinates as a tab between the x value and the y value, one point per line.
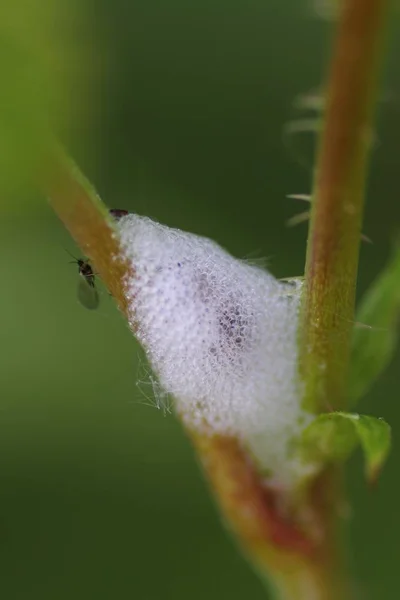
221	336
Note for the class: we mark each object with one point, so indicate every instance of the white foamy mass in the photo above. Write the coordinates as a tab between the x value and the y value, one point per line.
220	335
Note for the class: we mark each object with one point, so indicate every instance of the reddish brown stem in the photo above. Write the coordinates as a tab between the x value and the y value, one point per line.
300	559
295	548
84	215
337	207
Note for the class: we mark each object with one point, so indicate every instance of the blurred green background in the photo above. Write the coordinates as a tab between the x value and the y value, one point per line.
175	110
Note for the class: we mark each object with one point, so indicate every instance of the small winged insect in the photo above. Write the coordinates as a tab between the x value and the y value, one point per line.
118	213
88	295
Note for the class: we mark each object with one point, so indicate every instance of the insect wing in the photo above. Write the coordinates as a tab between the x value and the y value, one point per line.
88	295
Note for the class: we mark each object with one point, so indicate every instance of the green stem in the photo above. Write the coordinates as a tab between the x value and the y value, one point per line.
298	566
302	562
85	216
337	207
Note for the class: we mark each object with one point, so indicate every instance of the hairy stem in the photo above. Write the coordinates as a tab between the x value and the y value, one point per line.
337	206
293	547
290	554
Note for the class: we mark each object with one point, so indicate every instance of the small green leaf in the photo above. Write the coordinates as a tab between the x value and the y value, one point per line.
332	437
376	331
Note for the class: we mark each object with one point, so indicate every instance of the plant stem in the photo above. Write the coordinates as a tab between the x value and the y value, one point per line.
79	207
337	206
296	549
297	563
